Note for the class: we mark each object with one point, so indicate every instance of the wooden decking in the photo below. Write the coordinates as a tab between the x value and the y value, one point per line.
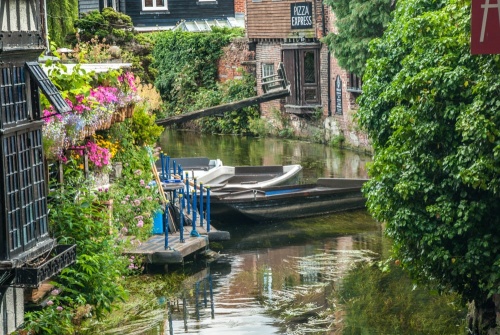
154	252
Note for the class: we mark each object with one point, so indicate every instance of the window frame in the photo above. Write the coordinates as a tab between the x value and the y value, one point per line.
155	7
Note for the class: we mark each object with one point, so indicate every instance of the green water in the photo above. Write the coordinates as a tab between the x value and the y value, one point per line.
285	278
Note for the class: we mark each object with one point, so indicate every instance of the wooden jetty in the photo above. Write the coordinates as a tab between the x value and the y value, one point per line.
154	252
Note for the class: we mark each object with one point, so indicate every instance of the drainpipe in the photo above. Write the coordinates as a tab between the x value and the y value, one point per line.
328	63
46	27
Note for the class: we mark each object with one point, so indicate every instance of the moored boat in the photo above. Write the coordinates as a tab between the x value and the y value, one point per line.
278	203
250	177
195	167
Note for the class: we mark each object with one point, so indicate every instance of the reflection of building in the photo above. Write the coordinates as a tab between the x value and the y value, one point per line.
24	236
290	32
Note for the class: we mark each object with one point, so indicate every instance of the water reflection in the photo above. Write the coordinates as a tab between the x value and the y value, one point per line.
317	160
275	279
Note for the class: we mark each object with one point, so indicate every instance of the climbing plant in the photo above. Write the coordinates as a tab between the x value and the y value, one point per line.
187	62
357	23
61	16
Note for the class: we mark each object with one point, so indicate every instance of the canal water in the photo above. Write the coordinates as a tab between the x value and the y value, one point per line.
273	278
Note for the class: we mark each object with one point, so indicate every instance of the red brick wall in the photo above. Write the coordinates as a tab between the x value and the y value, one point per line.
267	52
239	6
236	57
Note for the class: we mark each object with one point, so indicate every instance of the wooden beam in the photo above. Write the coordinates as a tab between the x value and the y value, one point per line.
224	108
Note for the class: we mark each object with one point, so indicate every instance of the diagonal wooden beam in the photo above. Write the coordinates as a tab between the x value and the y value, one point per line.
273	95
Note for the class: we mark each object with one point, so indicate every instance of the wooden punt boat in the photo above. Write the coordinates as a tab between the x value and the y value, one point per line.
250	177
278	203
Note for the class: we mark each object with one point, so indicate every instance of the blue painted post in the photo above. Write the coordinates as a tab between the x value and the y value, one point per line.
193	231
175	166
165	224
188	196
208	209
201	205
162	165
168	167
181	229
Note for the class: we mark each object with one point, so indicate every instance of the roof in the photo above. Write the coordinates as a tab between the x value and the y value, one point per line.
206	25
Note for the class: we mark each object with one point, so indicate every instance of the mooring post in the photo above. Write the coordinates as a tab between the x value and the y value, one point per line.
181	229
162	165
193	231
168	167
165	224
188	196
201	204
208	209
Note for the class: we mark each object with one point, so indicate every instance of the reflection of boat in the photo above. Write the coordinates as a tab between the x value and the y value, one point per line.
277	203
249	176
194	166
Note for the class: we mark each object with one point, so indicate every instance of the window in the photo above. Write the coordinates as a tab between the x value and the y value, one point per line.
47	87
302	69
267	70
154	5
355	83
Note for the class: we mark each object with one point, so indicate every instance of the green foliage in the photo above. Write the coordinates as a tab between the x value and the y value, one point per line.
387	302
259	127
337	141
143	126
357	22
234	122
115	27
187	62
61	16
431	110
76	218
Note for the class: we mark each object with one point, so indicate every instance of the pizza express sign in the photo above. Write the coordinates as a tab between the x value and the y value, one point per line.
301	15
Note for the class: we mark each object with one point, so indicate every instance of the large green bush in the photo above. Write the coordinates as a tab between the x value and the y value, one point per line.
431	110
187	62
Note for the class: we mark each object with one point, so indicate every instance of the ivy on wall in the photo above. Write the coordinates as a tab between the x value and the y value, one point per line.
61	17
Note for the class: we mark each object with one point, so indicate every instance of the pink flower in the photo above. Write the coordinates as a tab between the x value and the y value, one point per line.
50	303
59	308
140	224
142	182
55	292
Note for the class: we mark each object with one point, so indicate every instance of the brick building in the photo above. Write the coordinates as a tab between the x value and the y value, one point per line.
289	31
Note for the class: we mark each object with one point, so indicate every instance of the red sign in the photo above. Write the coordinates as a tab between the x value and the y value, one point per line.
485	30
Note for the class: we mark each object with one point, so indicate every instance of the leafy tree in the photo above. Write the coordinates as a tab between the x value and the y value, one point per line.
357	23
432	111
115	27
